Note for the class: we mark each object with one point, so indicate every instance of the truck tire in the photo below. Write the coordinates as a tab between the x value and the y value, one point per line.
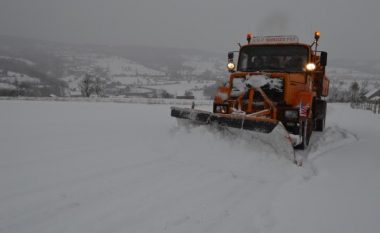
306	129
319	115
320	124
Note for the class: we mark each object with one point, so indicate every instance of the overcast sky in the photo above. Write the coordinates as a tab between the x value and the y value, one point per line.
348	27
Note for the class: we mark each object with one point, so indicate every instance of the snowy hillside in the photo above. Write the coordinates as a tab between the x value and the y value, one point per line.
12	77
10	80
126	77
28	62
121	66
350	74
108	167
138	71
121	71
199	65
344	77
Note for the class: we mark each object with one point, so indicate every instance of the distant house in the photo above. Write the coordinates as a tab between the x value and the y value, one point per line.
186	97
3	73
373	95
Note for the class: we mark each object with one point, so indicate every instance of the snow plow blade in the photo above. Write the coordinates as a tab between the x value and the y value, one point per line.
268	131
195	116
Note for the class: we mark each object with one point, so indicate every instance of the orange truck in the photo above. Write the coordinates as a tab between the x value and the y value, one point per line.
277	84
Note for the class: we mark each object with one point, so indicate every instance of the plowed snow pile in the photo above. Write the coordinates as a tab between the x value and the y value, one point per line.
105	167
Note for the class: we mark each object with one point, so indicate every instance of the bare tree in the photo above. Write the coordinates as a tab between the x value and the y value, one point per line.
98	86
86	86
363	89
354	88
189	93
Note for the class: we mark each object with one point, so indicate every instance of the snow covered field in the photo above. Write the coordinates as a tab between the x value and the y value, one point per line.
117	167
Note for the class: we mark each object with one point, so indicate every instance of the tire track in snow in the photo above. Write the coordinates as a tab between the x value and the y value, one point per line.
322	143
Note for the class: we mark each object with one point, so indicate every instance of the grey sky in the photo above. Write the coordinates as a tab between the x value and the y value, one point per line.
348	27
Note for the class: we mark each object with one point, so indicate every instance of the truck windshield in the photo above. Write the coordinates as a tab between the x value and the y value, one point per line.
285	58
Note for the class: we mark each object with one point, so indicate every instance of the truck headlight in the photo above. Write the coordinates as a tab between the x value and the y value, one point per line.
221	109
230	66
310	67
291	114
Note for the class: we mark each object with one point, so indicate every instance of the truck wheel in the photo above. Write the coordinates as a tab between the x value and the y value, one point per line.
320	124
306	128
319	115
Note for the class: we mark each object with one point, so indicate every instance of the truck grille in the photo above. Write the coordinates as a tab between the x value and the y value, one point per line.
274	94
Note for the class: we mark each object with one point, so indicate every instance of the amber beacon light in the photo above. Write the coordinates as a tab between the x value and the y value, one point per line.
249	37
317	35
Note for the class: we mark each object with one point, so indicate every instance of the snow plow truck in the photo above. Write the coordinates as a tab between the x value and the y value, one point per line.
274	92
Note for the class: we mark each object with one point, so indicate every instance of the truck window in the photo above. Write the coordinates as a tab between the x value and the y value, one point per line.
285	58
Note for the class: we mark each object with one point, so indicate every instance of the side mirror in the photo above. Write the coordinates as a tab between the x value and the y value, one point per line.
230	63
323	59
230	56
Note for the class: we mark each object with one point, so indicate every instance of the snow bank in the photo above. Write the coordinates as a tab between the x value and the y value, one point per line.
339	190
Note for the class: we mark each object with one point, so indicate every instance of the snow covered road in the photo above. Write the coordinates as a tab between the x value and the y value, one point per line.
107	167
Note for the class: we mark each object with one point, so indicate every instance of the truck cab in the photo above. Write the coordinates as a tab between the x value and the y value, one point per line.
292	83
